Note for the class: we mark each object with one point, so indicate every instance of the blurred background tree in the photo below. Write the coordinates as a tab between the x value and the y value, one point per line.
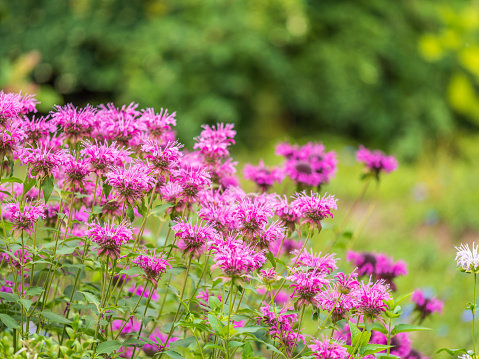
272	67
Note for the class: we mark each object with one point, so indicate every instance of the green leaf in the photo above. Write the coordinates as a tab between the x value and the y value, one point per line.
270	257
133	341
132	271
97	210
376	326
234	344
65	250
452	351
248	351
47	187
160	209
56	318
401	328
27	303
183	343
108	347
130	213
250	329
373	348
9	297
106	189
174	355
11	180
213	346
215	323
9	321
28	184
35	291
91	298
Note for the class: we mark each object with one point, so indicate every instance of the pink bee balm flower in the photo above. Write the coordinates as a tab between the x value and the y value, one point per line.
235	258
192	181
101	157
252	216
221	217
163	158
376	161
309	165
193	237
161	342
110	238
346	284
10	140
268	276
314	208
324	265
153	265
214	141
287	214
273	234
370	299
130	183
306	285
37	129
158	123
13	105
132	325
400	343
42	161
281	327
24	217
263	176
329	349
335	302
76	123
120	124
426	306
468	259
76	171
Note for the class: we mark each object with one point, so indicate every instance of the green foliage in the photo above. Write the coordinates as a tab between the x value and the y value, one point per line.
267	66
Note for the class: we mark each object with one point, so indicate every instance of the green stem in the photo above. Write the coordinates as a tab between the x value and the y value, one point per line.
144	314
389	336
473	319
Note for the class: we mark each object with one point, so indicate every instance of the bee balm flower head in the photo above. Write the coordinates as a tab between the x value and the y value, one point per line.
468	259
110	238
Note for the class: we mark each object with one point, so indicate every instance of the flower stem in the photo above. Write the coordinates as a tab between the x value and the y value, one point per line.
473	318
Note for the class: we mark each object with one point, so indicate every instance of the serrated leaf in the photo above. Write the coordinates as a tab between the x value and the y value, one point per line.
35	291
215	323
108	347
65	250
9	321
27	303
401	328
91	298
53	317
174	355
9	297
373	348
160	209
28	184
47	188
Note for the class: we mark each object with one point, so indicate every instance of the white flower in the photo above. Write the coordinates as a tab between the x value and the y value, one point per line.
468	259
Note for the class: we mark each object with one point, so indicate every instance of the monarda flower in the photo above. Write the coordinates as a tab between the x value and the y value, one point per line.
252	216
221	217
287	214
376	161
336	303
309	165
193	236
323	264
76	123
314	208
273	234
329	349
110	238
154	266
424	305
163	158
346	284
192	181
378	265
10	140
37	129
158	123
130	184
214	141
160	340
306	286
468	259
23	217
14	105
42	161
268	276
76	171
263	176
281	327
102	156
370	299
235	258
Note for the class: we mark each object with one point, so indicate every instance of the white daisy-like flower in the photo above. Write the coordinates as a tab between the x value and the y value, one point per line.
468	259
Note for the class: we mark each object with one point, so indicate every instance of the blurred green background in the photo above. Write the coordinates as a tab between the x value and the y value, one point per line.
402	76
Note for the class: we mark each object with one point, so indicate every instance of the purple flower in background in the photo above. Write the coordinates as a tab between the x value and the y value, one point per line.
160	339
140	290
102	156
314	208
329	349
130	183
376	161
263	176
23	217
401	344
110	237
426	306
153	265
